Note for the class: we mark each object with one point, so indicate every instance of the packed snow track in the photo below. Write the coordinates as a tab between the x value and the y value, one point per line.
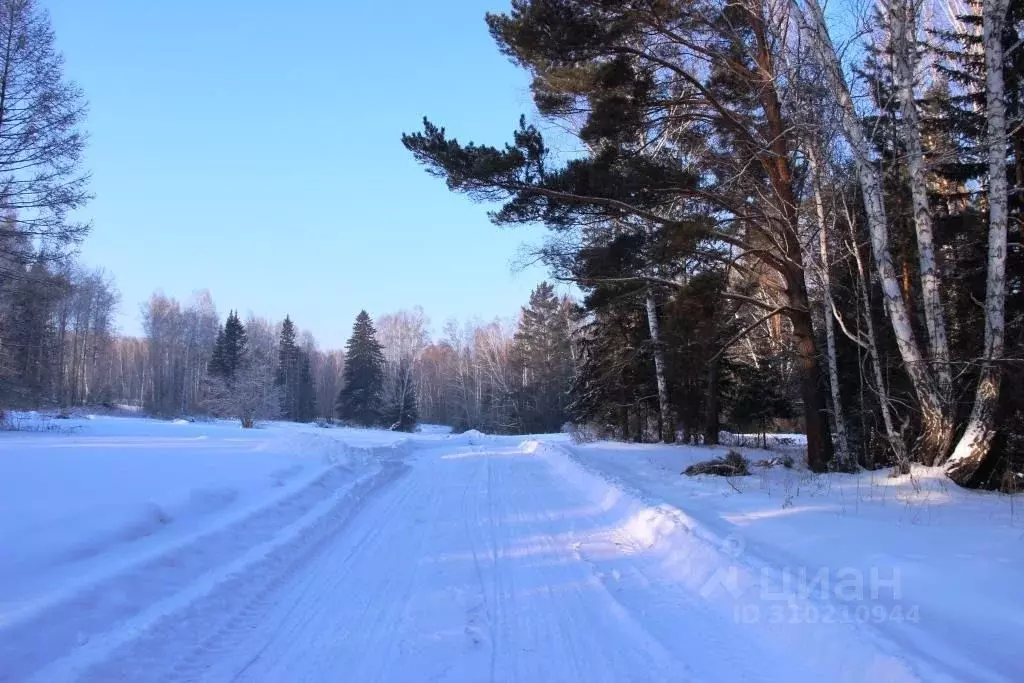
462	559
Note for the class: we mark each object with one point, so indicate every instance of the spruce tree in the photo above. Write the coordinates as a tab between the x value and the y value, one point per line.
306	400
288	369
234	345
360	398
216	365
542	354
229	349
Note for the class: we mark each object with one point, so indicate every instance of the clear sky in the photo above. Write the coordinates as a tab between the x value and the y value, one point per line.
253	148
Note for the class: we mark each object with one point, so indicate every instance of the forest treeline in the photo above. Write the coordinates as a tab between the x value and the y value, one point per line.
59	346
762	210
771	224
61	350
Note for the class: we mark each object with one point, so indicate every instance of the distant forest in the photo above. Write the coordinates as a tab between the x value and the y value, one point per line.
769	229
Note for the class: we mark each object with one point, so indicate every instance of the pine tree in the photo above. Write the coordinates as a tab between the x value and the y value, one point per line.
360	398
653	145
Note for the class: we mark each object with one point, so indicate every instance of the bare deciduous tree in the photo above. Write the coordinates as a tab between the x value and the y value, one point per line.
251	395
41	142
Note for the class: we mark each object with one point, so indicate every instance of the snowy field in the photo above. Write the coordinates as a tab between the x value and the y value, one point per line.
141	550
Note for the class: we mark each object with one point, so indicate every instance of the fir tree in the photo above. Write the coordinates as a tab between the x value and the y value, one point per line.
543	357
288	371
360	398
216	365
306	400
229	349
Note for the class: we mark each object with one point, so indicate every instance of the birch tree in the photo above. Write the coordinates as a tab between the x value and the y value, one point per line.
903	20
41	137
251	395
973	446
658	350
839	419
403	336
936	417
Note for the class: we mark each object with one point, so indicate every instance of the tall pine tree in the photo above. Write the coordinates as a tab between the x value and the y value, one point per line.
360	400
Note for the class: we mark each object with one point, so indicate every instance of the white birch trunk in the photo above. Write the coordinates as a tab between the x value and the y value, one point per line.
668	428
902	15
842	444
974	445
892	434
938	425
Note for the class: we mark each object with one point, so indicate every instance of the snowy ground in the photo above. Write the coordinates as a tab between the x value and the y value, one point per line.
140	550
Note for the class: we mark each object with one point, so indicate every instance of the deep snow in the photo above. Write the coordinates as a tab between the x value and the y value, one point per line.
142	550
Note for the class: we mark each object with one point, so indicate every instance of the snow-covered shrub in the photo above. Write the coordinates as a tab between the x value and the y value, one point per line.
732	465
584	433
775	460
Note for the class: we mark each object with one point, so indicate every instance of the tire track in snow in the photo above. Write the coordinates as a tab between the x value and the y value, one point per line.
230	637
137	648
480	564
76	620
330	613
568	618
199	664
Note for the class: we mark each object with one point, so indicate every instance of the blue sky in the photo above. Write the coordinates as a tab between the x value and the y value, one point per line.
252	148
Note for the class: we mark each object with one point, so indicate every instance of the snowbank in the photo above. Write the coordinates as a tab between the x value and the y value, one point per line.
433	429
911	567
109	517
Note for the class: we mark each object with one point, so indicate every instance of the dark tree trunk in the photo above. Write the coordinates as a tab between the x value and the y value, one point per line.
819	437
780	175
638	435
711	423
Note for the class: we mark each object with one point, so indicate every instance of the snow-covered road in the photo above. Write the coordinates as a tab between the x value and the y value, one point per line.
466	558
464	566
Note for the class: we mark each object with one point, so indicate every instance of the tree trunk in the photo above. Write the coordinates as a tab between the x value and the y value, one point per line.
819	438
904	40
842	444
894	437
668	428
711	423
975	444
638	435
776	162
937	433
